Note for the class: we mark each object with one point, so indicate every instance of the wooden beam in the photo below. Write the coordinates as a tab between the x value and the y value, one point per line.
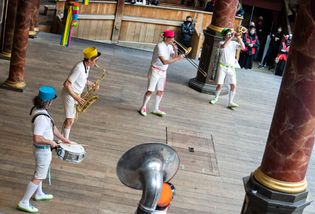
96	17
152	21
118	19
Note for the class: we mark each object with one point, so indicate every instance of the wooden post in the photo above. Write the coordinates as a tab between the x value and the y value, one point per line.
8	29
34	20
118	18
16	80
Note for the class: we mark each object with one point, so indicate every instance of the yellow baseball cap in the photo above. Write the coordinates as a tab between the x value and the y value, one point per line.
91	52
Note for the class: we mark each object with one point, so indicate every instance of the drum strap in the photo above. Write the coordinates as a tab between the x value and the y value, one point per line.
47	115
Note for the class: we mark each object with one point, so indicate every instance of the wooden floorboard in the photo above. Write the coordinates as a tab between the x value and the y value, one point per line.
112	126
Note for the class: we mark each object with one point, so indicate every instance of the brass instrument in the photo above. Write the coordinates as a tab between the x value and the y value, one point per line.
88	95
145	167
185	51
240	30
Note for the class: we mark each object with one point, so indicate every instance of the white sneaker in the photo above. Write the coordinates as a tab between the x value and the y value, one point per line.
233	105
43	197
159	113
214	100
143	112
27	207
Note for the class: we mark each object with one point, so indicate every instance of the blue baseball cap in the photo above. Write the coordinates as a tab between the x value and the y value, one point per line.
46	93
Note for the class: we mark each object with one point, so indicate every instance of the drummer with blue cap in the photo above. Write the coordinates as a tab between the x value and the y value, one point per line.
44	131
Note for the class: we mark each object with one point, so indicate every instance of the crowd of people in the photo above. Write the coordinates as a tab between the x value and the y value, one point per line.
276	46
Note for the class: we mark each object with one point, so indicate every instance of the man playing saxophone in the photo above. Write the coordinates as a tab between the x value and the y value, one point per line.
74	86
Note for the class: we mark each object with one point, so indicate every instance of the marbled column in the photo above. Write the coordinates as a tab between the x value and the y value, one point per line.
20	41
224	13
9	29
291	136
35	15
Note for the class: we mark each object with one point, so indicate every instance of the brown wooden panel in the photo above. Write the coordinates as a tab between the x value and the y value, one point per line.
123	31
136	37
93	29
149	33
142	23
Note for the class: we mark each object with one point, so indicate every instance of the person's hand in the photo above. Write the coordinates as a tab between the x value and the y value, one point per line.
96	86
53	144
66	141
250	45
80	100
181	56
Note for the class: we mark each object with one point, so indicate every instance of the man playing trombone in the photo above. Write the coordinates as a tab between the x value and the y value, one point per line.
226	68
164	53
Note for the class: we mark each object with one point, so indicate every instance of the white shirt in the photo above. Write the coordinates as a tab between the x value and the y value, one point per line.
78	77
161	49
227	54
42	125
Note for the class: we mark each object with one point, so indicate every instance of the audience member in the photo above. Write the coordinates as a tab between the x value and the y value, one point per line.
272	49
251	42
187	30
210	6
281	59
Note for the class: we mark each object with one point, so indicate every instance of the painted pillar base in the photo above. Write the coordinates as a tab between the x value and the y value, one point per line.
207	88
204	81
262	200
32	34
5	55
14	86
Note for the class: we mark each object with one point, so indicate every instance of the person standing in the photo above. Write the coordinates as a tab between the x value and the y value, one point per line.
260	31
275	40
44	131
164	53
187	30
282	57
251	45
74	86
226	68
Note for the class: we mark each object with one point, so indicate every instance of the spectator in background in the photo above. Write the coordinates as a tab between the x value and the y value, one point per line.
251	44
273	49
281	59
210	6
187	29
240	11
251	24
154	2
143	2
260	31
260	28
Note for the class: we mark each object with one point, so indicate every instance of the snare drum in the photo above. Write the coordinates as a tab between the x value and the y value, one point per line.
73	152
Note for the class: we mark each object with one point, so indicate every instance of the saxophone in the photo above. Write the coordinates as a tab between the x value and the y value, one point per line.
88	95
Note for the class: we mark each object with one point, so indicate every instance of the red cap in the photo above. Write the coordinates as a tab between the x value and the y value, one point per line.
169	33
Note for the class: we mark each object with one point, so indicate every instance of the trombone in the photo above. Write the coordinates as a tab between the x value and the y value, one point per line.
186	51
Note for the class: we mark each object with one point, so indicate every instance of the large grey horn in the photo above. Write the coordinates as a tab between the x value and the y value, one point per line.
146	167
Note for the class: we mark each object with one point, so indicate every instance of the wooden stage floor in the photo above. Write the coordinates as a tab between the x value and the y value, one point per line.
228	144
